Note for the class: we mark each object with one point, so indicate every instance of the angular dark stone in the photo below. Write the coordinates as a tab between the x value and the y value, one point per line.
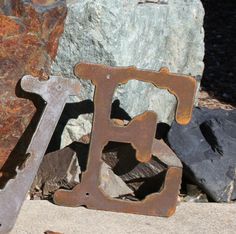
207	148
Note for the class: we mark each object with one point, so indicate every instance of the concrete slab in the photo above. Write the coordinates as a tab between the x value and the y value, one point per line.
38	216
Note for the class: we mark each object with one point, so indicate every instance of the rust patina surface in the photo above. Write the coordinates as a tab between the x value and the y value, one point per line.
29	34
140	132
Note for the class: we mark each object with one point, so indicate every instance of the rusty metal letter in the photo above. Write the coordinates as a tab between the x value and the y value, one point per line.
14	192
105	80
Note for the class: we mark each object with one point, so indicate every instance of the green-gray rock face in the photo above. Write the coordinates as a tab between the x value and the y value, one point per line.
124	33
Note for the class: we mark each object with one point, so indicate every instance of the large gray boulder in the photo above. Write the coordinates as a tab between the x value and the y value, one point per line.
147	34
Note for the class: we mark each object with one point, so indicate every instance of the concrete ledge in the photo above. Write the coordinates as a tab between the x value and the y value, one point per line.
38	216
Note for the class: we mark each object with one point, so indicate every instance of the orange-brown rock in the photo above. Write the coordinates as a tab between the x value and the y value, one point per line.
29	34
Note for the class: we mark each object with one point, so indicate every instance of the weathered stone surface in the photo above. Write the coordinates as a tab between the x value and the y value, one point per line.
59	169
142	178
121	175
29	33
147	34
111	184
63	168
207	148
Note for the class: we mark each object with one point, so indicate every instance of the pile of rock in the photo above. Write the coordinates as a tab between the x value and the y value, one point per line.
146	34
206	147
121	175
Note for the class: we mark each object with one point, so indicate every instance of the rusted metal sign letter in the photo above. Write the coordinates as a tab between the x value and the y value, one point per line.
55	92
106	80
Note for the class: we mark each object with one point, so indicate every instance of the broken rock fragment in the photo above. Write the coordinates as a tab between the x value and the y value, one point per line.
59	169
121	175
142	178
111	184
207	148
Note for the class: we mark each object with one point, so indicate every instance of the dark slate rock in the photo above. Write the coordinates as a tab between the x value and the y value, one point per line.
207	148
